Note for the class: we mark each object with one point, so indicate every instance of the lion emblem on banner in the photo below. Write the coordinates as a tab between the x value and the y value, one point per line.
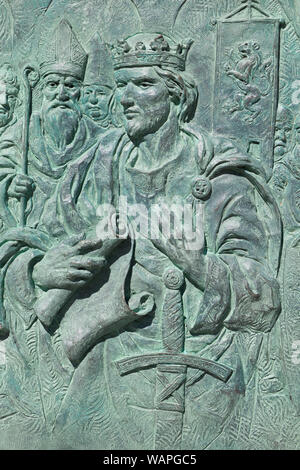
253	78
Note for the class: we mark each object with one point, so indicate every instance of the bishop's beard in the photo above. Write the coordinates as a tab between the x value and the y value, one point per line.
60	125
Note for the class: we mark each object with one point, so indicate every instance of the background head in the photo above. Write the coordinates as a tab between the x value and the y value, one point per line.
95	99
296	130
283	131
99	82
9	90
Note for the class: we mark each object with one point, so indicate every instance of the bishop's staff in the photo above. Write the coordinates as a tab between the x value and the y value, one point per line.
30	78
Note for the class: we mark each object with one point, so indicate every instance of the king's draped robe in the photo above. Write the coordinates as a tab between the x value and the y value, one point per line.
75	390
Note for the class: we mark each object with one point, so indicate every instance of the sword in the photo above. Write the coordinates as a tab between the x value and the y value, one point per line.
171	367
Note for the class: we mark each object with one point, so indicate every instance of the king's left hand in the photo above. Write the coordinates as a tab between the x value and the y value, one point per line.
187	255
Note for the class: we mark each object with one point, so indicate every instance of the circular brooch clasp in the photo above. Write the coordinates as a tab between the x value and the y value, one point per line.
173	278
201	188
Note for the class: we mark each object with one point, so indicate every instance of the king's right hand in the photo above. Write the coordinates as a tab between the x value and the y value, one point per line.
69	267
21	186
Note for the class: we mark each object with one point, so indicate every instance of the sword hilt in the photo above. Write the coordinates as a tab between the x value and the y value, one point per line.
173	332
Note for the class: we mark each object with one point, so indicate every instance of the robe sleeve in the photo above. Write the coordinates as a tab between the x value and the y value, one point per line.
240	292
19	287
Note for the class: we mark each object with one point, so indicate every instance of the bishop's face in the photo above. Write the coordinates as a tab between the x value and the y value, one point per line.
8	98
60	108
61	91
95	100
145	100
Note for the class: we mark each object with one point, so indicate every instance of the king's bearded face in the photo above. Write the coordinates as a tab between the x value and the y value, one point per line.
60	107
145	99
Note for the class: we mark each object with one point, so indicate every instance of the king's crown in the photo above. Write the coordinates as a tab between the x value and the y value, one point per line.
149	50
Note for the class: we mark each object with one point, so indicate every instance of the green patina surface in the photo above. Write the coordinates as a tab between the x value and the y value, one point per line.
150	214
